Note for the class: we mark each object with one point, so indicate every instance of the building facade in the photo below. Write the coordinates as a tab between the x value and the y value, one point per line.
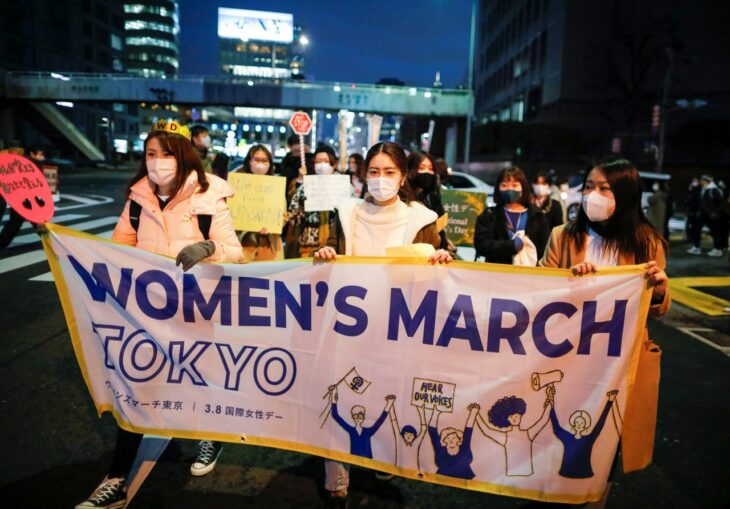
152	29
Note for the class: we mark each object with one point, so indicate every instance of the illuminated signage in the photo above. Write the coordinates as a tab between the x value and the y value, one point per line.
255	25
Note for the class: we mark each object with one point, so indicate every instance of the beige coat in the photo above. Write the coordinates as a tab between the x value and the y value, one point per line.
168	231
640	414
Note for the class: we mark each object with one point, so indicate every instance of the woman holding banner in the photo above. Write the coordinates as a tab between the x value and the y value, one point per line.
514	232
611	230
389	217
175	209
427	186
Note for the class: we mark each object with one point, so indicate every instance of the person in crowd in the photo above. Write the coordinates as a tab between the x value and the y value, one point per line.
441	169
425	183
711	213
610	231
170	190
693	234
15	221
559	191
514	231
291	165
308	231
657	211
542	199
200	137
388	217
356	169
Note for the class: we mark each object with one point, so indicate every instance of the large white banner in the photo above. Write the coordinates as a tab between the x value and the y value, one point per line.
486	377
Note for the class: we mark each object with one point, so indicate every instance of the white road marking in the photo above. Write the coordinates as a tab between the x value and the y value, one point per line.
47	277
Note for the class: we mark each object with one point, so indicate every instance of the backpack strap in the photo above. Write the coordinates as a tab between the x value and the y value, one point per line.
135	210
204	221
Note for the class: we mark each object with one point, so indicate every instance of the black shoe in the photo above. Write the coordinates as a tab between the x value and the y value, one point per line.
110	494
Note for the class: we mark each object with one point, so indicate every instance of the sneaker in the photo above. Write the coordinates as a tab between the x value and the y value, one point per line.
337	499
110	494
208	453
694	250
714	252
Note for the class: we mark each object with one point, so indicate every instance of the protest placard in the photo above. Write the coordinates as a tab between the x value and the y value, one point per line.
325	192
258	203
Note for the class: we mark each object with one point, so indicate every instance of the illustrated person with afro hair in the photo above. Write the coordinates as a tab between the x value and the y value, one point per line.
504	427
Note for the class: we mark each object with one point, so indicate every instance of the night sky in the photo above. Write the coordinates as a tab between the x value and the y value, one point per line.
351	41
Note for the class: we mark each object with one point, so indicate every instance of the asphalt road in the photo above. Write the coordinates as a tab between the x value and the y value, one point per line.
56	449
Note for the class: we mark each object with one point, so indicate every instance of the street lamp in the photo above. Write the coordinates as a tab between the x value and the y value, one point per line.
304	41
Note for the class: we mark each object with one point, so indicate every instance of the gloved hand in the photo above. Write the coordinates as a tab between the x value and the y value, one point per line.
192	254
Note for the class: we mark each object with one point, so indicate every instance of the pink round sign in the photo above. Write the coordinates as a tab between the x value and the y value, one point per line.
25	188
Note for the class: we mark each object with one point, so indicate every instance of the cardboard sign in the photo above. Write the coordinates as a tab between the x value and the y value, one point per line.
25	188
258	203
51	174
325	192
433	394
463	208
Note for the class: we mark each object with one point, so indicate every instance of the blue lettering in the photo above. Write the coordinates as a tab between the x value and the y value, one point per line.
143	300
266	364
246	301
342	306
462	306
426	312
284	300
131	358
192	297
99	283
497	332
542	343
614	327
234	364
182	362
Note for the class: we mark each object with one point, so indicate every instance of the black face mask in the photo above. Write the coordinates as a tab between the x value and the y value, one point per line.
426	181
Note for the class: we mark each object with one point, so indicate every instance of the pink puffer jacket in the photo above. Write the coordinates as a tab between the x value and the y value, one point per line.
168	231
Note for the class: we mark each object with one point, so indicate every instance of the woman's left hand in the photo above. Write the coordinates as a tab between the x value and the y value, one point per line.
263	231
440	256
657	279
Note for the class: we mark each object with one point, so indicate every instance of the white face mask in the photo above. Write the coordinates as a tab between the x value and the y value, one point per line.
597	207
323	169
161	171
205	141
383	188
541	189
260	168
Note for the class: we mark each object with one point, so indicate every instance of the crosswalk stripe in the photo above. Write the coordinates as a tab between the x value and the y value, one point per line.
21	260
29	238
47	277
63	218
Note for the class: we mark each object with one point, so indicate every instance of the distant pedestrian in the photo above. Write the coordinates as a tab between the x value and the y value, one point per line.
356	170
543	200
657	211
200	136
711	213
426	184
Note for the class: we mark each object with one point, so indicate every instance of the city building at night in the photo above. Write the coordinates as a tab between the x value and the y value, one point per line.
152	29
259	44
603	69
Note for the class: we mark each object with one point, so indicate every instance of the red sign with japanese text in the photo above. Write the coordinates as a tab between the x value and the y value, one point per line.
25	188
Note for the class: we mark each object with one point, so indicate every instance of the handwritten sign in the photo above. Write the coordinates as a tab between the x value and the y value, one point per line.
463	208
325	192
25	188
258	203
432	393
51	174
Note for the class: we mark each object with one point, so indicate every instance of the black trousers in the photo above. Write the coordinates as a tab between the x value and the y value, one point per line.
11	228
124	453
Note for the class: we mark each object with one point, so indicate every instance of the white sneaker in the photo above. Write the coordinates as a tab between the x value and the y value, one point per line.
208	453
714	252
694	250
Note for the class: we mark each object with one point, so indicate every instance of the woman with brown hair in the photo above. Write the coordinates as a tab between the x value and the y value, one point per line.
389	217
611	230
173	208
513	232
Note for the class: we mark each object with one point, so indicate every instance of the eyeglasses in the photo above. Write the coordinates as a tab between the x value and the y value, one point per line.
360	415
260	160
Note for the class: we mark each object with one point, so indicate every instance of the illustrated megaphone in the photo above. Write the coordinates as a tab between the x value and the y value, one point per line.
540	380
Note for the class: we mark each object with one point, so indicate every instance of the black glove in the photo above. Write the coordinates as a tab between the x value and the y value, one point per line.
192	254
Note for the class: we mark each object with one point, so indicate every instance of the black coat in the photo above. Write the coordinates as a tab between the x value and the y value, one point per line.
492	239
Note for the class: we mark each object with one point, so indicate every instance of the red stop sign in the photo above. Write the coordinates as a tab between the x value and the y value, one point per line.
300	123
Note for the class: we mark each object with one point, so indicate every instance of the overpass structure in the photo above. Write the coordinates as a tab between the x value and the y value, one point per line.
235	91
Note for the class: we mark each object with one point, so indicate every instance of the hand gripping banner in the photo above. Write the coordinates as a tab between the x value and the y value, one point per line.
487	377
